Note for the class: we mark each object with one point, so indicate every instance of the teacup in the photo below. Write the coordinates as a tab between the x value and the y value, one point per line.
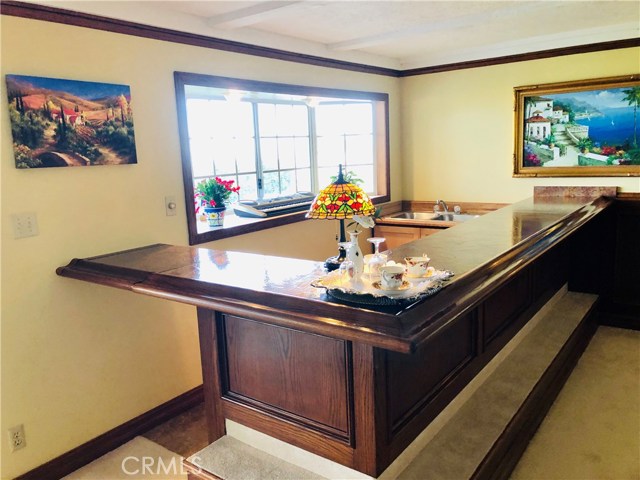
391	276
417	266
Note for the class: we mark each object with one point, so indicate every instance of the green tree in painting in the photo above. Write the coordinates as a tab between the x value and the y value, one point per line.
632	95
27	128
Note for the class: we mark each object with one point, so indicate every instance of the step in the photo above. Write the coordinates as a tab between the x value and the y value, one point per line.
457	442
462	444
230	459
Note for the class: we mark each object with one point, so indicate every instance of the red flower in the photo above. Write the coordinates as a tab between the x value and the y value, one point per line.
356	205
212	203
332	207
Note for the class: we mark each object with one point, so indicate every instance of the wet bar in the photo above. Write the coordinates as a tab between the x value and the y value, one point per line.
356	383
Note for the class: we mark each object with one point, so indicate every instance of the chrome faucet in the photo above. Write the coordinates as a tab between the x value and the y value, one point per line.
444	205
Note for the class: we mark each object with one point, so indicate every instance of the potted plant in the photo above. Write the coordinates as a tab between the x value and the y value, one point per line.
584	144
552	141
212	195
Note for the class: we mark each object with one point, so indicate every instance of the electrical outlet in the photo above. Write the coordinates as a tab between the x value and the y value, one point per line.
24	225
17	440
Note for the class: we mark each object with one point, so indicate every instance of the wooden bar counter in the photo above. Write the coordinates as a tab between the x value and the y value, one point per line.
352	383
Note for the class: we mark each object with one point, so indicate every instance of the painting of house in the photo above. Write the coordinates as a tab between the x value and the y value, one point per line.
596	127
60	123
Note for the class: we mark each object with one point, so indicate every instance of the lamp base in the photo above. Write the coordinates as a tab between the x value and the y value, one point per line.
333	263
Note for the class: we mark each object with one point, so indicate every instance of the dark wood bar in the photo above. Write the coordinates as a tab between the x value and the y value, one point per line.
357	383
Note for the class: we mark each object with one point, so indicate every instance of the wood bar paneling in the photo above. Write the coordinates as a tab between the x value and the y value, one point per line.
504	306
209	359
627	257
268	367
413	380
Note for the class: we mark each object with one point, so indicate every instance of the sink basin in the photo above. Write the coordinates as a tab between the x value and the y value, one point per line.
438	217
414	215
454	217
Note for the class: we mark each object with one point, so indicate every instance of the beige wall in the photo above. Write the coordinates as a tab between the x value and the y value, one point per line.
79	359
457	127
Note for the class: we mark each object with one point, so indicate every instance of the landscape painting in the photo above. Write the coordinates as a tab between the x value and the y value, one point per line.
69	123
586	128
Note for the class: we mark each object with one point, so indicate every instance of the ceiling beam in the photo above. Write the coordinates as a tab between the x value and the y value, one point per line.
254	14
462	21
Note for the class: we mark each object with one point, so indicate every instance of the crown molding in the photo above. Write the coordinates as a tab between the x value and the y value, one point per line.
70	17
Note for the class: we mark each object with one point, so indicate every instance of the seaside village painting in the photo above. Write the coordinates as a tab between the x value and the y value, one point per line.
582	128
60	123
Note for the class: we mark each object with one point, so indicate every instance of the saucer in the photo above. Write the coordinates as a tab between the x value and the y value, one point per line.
405	285
430	273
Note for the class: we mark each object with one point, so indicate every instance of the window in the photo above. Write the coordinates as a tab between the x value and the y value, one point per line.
276	140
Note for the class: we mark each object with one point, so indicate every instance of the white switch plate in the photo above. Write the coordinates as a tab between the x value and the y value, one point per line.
24	225
170	205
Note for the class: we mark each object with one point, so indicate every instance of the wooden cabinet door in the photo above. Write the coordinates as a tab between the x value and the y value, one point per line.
396	236
425	232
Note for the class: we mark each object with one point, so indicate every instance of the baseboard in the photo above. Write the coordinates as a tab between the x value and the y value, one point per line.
506	452
88	452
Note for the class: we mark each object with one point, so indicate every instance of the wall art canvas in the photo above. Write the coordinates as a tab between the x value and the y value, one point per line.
70	123
583	128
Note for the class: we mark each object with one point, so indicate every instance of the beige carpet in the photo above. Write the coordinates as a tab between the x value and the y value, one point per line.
592	431
138	459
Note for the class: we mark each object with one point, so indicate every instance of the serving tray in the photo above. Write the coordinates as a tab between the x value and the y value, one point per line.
366	292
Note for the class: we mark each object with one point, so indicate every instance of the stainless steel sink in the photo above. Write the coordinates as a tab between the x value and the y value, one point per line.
415	215
454	217
438	217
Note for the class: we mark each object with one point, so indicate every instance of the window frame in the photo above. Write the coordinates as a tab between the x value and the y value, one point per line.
245	225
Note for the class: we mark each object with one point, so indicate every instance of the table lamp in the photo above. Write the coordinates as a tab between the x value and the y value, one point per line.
340	200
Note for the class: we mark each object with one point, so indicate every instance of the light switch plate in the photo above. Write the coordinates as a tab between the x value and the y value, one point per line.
24	225
170	205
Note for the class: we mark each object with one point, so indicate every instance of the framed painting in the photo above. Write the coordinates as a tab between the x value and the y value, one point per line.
69	123
587	128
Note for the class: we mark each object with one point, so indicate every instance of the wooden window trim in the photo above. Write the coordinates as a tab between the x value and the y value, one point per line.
243	226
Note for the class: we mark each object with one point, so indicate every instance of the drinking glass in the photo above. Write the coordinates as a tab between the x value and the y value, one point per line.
378	260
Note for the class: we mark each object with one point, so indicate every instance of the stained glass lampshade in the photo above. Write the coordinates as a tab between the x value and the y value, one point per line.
340	200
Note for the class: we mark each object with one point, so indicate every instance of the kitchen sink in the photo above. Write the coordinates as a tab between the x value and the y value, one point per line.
454	217
415	215
438	217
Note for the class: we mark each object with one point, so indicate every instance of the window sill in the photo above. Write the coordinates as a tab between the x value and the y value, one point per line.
234	225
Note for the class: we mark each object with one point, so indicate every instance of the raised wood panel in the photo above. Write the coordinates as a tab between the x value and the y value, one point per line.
627	258
269	366
550	272
504	306
592	253
413	380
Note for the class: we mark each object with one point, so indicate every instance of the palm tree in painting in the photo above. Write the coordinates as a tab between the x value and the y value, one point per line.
632	96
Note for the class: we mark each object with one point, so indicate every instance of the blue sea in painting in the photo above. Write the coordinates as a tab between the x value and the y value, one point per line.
614	128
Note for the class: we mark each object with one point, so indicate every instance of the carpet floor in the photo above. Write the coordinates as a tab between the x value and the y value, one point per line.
138	459
592	431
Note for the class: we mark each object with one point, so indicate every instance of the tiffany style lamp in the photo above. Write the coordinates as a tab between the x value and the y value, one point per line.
340	200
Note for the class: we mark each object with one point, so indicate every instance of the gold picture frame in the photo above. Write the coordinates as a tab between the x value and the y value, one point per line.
586	128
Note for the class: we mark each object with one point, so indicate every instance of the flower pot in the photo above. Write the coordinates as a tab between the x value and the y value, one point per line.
215	216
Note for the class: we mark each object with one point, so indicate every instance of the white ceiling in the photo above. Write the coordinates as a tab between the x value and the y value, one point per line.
399	34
